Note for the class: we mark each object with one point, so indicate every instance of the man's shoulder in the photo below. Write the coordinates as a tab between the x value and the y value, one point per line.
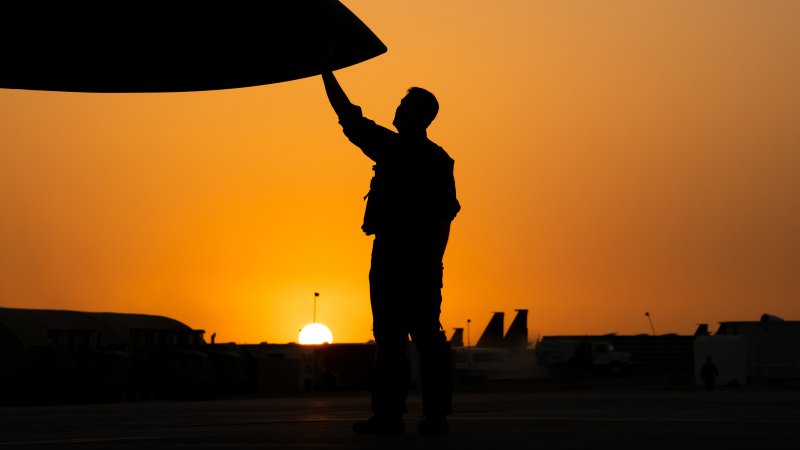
440	152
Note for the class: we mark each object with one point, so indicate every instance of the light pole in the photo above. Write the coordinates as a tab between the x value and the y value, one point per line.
313	351
469	343
651	322
316	294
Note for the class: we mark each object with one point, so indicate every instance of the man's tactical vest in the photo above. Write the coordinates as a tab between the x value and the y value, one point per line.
419	193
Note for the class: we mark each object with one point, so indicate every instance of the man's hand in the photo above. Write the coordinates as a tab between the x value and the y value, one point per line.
327	55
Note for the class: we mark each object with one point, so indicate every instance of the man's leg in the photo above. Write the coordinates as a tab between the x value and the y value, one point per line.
391	371
436	373
436	369
390	380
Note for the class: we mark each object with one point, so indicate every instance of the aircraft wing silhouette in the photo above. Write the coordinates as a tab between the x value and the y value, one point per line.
176	46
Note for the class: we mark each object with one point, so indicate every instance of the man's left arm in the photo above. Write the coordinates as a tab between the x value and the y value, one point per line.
336	95
370	137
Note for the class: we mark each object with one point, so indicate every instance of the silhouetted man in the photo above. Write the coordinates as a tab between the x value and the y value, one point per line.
708	373
410	204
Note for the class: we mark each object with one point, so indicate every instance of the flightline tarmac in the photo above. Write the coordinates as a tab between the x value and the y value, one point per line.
544	418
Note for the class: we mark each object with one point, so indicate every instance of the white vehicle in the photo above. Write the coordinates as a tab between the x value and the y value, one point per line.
582	354
495	363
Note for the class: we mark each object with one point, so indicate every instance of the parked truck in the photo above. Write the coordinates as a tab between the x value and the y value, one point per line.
584	354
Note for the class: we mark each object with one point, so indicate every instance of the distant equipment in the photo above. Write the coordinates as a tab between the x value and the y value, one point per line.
497	356
649	319
177	46
583	354
493	364
771	318
769	349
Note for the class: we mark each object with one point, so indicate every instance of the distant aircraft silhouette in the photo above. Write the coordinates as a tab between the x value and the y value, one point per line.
173	47
457	339
517	335
515	338
493	333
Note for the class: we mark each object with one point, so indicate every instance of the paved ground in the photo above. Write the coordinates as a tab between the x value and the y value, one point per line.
577	419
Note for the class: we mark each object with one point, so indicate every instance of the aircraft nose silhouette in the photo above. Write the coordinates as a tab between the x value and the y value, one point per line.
176	46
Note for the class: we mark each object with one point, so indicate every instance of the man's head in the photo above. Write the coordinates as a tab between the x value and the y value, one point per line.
416	111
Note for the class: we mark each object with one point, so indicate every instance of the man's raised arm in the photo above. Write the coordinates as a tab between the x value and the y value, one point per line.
339	101
364	133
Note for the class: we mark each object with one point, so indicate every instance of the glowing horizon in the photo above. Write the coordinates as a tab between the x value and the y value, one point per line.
611	160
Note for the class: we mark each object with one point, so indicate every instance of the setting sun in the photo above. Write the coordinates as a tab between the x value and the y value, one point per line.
315	334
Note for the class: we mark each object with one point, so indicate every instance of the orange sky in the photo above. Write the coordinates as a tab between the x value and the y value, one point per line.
611	157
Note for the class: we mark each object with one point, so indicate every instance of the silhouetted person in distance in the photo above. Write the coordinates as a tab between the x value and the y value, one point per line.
709	373
410	204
